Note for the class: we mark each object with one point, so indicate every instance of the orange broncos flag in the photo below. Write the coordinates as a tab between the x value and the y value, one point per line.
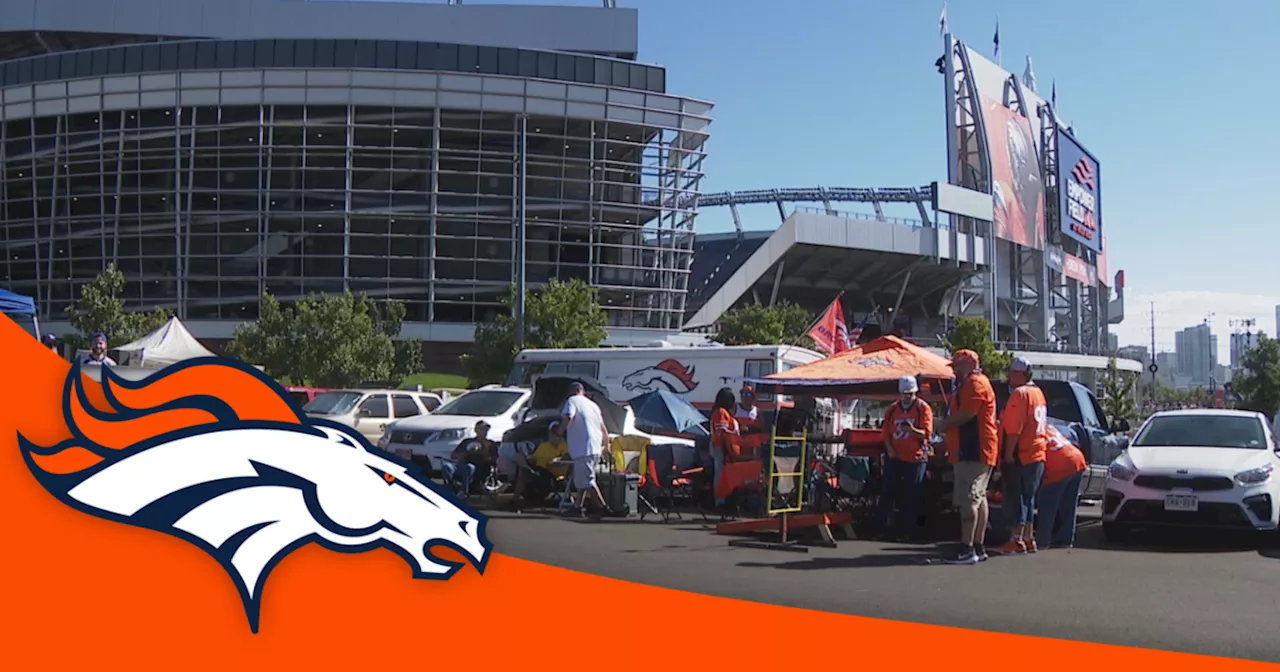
831	334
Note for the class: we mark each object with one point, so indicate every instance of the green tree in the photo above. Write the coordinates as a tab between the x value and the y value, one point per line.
101	308
330	340
1258	381
559	315
1118	393
758	324
974	333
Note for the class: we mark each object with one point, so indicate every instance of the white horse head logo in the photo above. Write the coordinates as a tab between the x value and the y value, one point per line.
250	490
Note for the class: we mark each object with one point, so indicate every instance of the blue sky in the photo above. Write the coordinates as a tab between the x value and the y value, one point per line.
1177	100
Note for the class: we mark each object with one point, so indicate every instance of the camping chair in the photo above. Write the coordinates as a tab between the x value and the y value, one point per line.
665	481
843	485
450	476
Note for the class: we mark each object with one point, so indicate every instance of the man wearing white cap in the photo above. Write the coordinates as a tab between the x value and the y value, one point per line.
908	426
1024	434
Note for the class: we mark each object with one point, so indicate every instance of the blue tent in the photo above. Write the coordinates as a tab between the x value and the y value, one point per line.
16	304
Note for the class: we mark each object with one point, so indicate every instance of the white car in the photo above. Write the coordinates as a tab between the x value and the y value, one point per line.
429	438
1205	468
370	411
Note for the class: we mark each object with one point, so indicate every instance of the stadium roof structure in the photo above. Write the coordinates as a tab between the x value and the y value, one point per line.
902	266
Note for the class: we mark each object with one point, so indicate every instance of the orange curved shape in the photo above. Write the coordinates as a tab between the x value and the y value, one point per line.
141	600
246	394
66	461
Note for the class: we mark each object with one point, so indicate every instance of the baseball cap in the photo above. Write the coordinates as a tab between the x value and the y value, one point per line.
965	355
908	385
98	335
1020	365
50	339
748	388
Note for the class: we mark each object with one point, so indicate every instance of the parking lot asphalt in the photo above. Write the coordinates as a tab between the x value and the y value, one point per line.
1193	593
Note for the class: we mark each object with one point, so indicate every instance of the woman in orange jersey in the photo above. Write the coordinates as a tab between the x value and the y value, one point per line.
1059	493
726	435
1023	426
908	426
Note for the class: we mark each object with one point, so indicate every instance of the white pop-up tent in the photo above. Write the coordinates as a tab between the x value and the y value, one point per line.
167	345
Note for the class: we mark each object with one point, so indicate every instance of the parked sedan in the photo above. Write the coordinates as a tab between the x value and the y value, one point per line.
1200	468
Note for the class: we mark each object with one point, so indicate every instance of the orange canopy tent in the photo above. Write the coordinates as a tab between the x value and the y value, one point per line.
868	370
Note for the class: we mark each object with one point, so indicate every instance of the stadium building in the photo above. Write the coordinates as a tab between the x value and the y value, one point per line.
217	149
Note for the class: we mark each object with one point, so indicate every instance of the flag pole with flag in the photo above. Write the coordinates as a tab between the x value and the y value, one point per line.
1029	78
1053	96
997	42
830	333
942	21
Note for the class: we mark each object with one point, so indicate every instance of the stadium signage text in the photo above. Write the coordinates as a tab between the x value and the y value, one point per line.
1080	206
1079	193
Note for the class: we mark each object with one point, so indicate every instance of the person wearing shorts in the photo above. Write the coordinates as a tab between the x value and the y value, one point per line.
973	449
588	438
1024	434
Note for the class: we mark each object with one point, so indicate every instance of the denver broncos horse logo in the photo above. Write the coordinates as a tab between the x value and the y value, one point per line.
668	374
243	475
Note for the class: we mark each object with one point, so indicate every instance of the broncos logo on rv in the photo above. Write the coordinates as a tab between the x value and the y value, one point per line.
244	475
669	374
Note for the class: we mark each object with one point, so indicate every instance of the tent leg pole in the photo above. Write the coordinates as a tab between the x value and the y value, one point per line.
36	321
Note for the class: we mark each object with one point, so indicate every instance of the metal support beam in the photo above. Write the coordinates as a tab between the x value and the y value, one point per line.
737	218
902	291
777	282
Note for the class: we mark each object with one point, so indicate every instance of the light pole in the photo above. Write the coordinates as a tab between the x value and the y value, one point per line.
520	231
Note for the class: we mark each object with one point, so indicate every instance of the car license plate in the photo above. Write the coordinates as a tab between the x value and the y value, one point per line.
1181	503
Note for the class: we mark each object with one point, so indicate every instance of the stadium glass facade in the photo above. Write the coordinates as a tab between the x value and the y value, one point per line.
211	171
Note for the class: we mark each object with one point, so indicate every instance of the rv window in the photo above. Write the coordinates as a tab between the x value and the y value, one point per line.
587	369
759	368
522	375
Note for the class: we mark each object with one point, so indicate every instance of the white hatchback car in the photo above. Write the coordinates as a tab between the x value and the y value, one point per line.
1200	468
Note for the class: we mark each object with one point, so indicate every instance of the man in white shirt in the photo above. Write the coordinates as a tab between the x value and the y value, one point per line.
747	409
98	353
588	438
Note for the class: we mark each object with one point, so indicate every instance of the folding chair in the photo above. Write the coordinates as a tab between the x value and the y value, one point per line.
666	481
450	476
565	497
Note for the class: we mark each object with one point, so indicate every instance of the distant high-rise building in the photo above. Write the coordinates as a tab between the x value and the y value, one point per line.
1197	354
1137	353
1241	343
1113	342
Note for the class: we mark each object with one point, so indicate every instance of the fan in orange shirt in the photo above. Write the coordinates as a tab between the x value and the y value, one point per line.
973	443
1059	493
908	426
1024	429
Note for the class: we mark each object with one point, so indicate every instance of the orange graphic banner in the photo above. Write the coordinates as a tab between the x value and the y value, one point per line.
81	592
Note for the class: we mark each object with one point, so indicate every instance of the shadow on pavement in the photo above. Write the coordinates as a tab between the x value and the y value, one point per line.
859	562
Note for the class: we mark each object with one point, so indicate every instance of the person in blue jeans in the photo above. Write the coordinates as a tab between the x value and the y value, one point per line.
1059	494
908	426
472	457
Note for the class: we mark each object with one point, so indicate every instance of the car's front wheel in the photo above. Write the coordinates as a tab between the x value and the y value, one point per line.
1115	532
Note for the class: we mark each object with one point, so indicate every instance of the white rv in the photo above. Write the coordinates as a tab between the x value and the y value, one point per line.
696	373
